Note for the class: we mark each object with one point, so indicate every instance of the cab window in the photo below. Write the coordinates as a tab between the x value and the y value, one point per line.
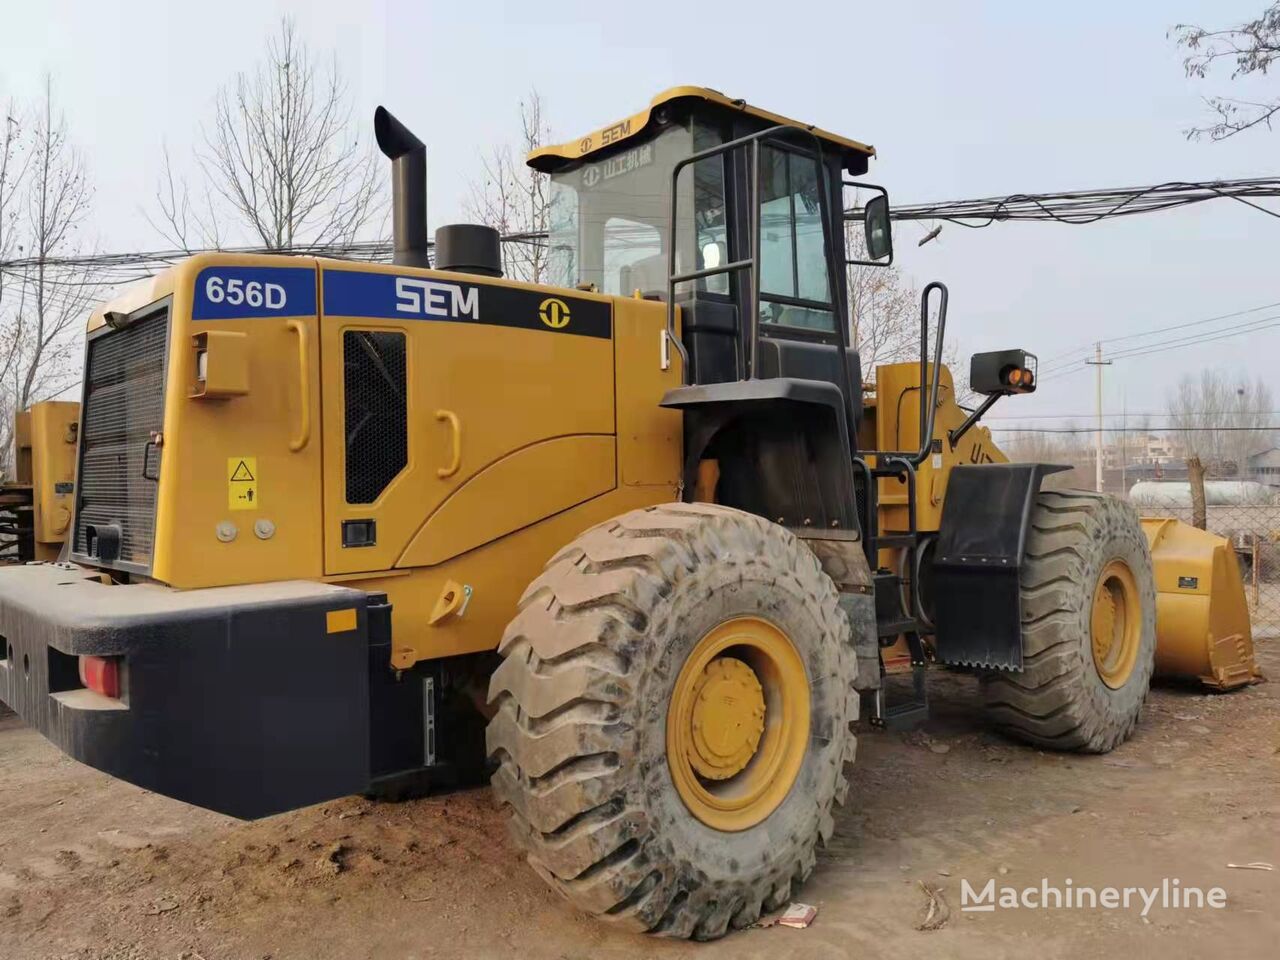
633	257
795	290
709	213
608	217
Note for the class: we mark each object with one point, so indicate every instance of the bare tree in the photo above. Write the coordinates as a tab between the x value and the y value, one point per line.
1221	419
884	308
884	313
178	219
1252	47
513	198
281	159
13	162
48	303
1066	448
58	201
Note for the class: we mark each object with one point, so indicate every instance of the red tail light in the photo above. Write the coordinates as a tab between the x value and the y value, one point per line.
101	675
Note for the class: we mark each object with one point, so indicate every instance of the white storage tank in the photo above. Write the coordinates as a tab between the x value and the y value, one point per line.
1217	493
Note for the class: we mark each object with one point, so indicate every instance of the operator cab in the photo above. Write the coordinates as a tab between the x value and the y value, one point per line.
613	212
736	218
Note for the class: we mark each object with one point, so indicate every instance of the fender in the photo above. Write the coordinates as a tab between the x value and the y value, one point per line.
978	559
784	446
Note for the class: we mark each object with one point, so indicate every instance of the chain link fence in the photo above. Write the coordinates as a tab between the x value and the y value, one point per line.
1247	513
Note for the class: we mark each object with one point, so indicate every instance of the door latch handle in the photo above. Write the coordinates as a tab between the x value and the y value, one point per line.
455	432
152	445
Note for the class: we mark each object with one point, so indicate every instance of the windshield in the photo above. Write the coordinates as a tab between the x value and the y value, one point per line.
608	218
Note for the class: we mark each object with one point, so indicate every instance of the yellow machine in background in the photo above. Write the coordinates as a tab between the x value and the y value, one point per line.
892	412
36	506
1202	616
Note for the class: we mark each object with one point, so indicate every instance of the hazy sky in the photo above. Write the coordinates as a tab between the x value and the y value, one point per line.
961	100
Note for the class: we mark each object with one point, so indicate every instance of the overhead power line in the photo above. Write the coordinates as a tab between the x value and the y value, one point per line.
1160	346
1090	206
1264	428
1072	207
1118	416
105	269
1273	321
1057	360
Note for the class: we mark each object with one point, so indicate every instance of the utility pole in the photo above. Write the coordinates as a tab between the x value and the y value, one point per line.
1098	362
1124	443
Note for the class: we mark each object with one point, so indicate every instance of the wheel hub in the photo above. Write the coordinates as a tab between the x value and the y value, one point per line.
1104	624
728	718
738	723
1115	624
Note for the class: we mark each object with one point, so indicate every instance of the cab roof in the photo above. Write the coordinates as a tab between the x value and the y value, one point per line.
551	158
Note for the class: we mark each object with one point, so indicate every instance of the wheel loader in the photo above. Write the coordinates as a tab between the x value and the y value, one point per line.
635	541
36	503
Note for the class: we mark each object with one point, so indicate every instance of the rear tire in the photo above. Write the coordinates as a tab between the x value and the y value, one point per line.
592	662
1088	627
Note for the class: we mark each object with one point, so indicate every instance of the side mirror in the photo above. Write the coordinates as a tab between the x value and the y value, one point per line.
1000	373
878	231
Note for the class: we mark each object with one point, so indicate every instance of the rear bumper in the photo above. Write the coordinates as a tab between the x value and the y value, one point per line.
246	700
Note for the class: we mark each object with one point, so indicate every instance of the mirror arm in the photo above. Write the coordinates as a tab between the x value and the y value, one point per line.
954	436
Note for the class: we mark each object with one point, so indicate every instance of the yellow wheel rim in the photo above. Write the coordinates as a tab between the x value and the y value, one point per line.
738	723
1115	624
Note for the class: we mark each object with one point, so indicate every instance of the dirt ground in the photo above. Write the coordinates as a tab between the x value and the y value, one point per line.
94	869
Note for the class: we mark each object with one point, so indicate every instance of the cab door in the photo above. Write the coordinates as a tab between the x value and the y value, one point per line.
456	410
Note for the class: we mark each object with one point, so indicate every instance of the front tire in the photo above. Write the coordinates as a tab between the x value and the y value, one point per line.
1088	627
673	718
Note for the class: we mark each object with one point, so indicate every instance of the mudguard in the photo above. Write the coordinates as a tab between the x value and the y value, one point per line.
978	559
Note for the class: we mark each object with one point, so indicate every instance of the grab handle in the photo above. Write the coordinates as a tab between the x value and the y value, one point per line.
304	386
455	431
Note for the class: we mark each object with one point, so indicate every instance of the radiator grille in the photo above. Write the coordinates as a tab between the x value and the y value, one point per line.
377	432
123	404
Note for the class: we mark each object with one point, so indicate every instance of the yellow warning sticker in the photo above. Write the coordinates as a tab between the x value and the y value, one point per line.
242	483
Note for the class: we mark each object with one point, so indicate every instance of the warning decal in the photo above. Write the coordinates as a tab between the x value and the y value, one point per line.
242	483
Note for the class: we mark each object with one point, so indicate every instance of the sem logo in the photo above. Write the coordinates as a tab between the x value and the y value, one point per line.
432	298
554	313
616	132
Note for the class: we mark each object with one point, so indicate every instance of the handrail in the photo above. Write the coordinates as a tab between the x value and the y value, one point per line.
927	413
304	385
927	416
751	318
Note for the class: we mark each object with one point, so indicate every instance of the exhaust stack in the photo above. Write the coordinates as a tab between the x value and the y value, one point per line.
408	157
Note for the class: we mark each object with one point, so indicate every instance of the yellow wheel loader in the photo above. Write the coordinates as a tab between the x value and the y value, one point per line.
36	504
642	512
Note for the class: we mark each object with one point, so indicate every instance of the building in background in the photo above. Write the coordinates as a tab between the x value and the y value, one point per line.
1264	467
1134	457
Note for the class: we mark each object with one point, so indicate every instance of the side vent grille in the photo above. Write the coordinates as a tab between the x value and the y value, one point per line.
123	405
377	429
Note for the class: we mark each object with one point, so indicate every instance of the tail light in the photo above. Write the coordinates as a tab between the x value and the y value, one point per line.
101	675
